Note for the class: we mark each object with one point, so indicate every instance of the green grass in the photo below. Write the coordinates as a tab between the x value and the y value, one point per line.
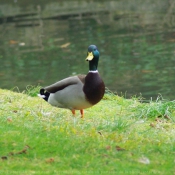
116	136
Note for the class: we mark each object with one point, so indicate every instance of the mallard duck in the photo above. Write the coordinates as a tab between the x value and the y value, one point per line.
77	92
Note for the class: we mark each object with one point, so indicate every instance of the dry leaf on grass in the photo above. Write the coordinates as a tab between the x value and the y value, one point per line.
144	160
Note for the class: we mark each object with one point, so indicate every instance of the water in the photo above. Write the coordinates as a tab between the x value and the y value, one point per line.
45	42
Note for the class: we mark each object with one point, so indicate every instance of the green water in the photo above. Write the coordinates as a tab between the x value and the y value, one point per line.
137	51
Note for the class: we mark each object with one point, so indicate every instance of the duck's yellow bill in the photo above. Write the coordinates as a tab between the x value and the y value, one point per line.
90	56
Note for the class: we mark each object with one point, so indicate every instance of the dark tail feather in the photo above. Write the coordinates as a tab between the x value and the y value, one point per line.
44	94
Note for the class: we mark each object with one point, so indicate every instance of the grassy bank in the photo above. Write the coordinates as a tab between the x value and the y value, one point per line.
117	136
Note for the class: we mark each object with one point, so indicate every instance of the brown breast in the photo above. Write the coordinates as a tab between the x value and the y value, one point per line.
94	88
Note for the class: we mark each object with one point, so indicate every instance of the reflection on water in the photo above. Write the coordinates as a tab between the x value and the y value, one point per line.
43	43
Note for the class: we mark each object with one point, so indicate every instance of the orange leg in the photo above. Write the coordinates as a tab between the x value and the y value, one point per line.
82	113
73	112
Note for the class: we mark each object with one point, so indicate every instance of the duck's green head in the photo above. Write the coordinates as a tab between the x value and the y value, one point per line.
93	57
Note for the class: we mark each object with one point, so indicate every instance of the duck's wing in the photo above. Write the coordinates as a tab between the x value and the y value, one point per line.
65	83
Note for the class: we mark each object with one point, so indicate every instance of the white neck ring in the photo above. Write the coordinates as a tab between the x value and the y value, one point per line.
93	71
